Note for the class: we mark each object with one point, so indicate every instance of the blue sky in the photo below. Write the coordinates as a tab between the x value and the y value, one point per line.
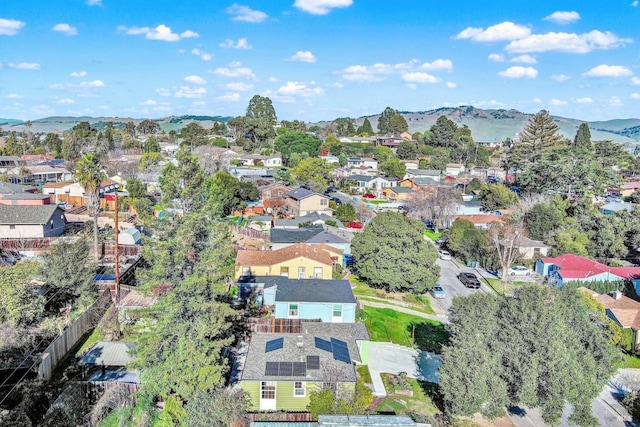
317	59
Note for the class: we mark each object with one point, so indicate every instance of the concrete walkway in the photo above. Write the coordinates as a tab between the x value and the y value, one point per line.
439	317
394	358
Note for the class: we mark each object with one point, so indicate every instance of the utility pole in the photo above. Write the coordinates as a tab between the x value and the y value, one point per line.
117	258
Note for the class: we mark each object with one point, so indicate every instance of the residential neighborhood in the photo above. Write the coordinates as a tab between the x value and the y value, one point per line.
319	213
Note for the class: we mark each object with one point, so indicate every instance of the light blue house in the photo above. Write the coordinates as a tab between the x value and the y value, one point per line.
615	207
332	301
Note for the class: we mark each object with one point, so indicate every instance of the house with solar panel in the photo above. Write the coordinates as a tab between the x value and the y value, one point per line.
281	370
330	301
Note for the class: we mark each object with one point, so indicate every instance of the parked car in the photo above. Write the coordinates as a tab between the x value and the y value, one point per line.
331	189
336	200
444	255
469	280
519	270
369	196
437	292
348	259
355	224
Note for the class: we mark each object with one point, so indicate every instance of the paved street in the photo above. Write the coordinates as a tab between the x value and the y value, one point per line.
452	286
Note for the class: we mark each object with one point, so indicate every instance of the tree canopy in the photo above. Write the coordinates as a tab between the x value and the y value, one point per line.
391	253
497	196
542	348
312	171
292	142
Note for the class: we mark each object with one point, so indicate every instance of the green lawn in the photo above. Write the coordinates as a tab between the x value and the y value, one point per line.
385	324
631	362
365	292
375	202
432	234
498	286
363	372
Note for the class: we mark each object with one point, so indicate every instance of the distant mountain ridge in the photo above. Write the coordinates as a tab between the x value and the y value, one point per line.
485	125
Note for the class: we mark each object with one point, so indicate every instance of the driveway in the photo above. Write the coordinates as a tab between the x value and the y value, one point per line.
452	286
394	358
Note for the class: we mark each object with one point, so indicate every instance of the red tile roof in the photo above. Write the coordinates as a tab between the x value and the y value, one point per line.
579	267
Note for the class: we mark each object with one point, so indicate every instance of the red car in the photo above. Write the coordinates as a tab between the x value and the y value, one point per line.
369	196
355	224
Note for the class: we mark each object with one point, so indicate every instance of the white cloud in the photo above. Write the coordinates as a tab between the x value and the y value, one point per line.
557	102
379	71
635	95
203	55
525	59
536	101
499	32
438	64
234	70
416	77
190	92
93	83
149	102
240	44
94	2
161	32
238	86
229	97
10	27
614	101
197	80
303	56
78	74
451	85
605	70
14	96
162	91
560	77
246	14
585	100
566	42
563	17
321	7
518	72
299	89
82	89
635	80
66	29
25	66
635	3
65	101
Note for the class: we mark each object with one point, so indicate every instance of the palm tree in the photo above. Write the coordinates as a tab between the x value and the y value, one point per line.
89	174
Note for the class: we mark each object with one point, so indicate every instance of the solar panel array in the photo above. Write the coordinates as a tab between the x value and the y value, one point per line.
340	350
313	362
276	344
285	369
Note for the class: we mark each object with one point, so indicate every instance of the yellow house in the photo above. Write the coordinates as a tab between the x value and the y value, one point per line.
396	194
302	201
299	261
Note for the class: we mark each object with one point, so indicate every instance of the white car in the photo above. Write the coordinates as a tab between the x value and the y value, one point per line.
519	270
444	255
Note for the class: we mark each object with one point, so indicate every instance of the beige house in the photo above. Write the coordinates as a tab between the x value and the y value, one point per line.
299	261
301	201
622	310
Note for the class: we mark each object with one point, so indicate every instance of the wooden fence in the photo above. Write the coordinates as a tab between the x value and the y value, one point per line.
248	232
291	326
281	416
24	244
59	347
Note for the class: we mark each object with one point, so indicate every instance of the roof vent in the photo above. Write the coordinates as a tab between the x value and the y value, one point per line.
616	295
300	343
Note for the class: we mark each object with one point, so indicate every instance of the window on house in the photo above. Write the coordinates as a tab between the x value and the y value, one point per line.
268	390
12	227
267	194
301	272
284	271
246	271
299	389
536	252
293	311
337	310
51	225
323	202
317	272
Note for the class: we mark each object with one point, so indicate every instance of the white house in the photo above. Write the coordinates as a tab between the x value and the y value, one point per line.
362	162
454	169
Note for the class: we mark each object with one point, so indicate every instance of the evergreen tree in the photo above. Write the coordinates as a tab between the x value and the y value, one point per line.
443	133
398	124
540	133
366	129
384	121
407	150
583	138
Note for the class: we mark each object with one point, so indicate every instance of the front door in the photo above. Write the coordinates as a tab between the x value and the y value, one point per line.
268	396
301	272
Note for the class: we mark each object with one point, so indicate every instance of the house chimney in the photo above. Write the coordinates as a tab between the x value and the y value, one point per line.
616	295
300	343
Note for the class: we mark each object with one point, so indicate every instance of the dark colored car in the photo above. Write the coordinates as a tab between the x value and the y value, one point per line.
337	200
348	259
469	280
331	189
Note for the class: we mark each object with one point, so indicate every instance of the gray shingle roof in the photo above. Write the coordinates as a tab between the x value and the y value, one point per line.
38	214
300	193
311	290
9	188
328	238
311	216
285	235
26	196
297	346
